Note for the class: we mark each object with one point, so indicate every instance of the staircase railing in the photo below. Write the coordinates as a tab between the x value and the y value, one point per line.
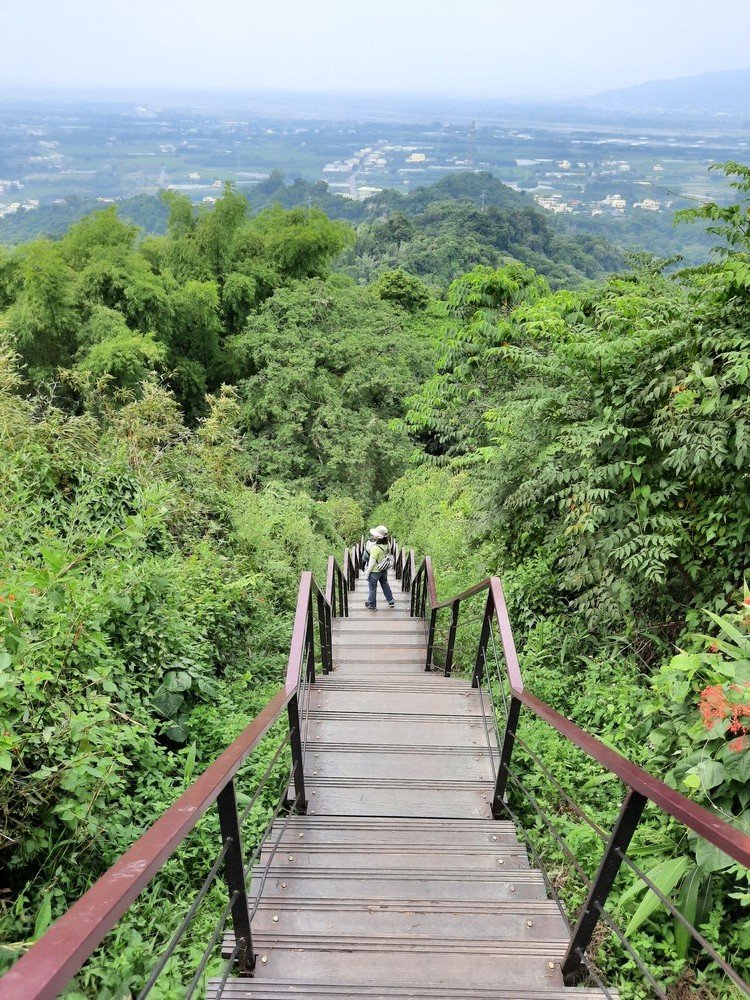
496	673
50	964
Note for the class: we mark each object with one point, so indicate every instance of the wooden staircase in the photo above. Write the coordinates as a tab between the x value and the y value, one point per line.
398	882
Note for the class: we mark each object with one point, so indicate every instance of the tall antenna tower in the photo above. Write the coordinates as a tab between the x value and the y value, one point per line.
472	152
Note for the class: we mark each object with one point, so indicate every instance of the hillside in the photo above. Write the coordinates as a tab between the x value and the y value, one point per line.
435	232
726	92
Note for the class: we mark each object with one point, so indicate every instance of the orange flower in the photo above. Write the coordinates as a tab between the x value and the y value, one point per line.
740	744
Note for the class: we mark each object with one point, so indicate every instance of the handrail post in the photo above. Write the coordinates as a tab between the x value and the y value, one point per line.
343	599
310	642
324	633
630	814
431	639
451	639
235	874
298	766
484	638
511	724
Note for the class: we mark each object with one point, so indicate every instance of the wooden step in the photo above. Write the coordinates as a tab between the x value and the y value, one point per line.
374	762
377	623
423	729
355	652
408	961
374	830
396	859
539	921
392	797
371	884
261	988
457	703
380	639
378	668
420	680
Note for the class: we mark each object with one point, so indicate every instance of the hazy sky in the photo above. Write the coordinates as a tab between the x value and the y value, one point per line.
495	48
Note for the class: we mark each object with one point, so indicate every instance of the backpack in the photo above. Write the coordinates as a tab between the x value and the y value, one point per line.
385	563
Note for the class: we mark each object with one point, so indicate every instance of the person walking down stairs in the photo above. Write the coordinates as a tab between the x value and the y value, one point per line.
377	567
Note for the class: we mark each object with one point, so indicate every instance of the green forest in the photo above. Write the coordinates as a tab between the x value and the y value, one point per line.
190	418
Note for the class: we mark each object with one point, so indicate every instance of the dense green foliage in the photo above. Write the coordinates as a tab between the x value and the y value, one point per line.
188	420
439	232
144	618
593	448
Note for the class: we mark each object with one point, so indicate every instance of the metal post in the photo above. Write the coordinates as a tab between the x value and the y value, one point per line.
509	739
573	968
451	639
431	640
324	634
295	740
310	642
235	874
484	638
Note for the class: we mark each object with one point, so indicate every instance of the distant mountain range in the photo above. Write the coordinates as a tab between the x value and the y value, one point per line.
723	92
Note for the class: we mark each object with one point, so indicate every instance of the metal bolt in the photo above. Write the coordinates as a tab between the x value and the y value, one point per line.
315	774
511	888
291	857
264	960
529	923
494	837
300	835
500	861
550	965
283	885
275	918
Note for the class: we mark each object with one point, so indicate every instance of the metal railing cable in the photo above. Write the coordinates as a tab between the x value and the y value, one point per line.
228	965
259	847
562	843
489	738
605	917
268	863
572	805
266	775
177	936
592	973
207	951
537	858
693	931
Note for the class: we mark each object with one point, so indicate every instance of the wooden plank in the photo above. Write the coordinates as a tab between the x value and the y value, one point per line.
261	988
417	702
375	763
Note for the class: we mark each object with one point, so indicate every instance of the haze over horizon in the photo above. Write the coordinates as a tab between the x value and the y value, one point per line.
409	47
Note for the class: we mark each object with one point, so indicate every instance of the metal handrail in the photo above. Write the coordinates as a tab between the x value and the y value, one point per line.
337	588
641	787
52	962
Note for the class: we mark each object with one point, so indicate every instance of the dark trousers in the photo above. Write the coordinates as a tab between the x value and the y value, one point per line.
372	583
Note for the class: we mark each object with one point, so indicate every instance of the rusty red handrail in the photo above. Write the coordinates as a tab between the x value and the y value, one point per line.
54	960
641	786
728	838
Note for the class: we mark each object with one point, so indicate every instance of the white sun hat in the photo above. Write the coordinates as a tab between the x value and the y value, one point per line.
379	533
